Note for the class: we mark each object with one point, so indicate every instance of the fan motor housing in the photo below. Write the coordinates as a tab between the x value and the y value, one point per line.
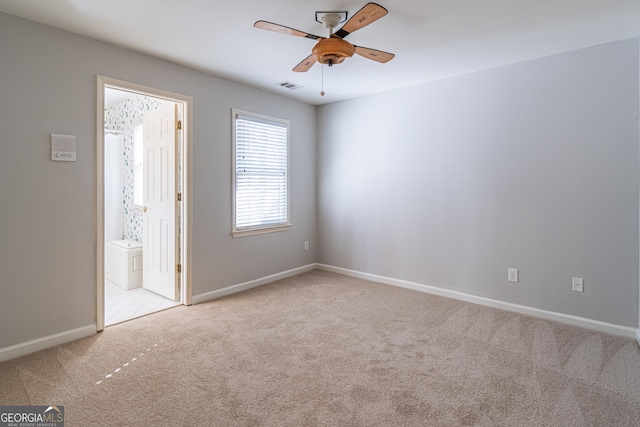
333	50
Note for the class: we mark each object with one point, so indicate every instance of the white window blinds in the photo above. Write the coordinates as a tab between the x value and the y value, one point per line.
261	171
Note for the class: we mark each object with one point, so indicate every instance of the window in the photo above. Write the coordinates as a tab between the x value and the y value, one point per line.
137	164
260	174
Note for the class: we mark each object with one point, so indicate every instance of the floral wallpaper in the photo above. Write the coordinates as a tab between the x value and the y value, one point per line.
120	117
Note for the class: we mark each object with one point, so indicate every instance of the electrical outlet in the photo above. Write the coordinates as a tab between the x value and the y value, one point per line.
512	274
306	246
577	284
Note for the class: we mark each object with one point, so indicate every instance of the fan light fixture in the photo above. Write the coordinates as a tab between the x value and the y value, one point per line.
333	51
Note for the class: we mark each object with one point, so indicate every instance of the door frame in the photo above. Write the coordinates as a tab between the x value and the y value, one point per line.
185	207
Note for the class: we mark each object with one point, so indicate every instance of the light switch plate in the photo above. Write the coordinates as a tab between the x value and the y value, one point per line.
512	274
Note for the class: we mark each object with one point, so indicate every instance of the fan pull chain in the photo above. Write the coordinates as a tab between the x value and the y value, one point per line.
322	81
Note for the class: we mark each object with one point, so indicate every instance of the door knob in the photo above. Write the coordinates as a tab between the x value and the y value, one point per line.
144	209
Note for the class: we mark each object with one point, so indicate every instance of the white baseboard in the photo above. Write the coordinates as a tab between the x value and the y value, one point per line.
219	293
32	346
46	342
596	325
638	337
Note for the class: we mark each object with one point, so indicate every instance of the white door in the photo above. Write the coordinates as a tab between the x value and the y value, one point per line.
160	273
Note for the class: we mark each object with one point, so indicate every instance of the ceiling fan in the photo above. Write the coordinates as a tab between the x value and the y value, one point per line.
334	49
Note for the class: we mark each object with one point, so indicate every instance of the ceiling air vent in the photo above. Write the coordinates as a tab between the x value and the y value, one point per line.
289	85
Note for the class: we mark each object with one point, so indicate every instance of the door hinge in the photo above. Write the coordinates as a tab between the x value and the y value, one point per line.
179	197
179	125
179	268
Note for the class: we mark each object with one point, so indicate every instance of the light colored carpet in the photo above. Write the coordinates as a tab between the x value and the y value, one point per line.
330	350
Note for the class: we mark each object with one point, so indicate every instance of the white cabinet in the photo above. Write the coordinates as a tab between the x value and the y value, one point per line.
123	263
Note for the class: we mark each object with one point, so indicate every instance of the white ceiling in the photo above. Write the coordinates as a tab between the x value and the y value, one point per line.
432	39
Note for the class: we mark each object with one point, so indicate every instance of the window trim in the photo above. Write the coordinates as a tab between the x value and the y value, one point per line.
255	230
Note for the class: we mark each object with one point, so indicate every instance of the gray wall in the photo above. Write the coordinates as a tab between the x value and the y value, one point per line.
48	209
532	165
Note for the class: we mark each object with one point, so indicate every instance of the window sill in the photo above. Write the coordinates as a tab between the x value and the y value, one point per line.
256	231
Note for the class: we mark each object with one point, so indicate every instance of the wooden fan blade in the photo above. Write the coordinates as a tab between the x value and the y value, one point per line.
376	55
306	63
371	12
270	26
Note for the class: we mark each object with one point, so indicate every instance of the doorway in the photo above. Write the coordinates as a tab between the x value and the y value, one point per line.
143	201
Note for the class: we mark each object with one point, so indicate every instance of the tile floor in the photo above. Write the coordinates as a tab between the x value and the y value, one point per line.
121	305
